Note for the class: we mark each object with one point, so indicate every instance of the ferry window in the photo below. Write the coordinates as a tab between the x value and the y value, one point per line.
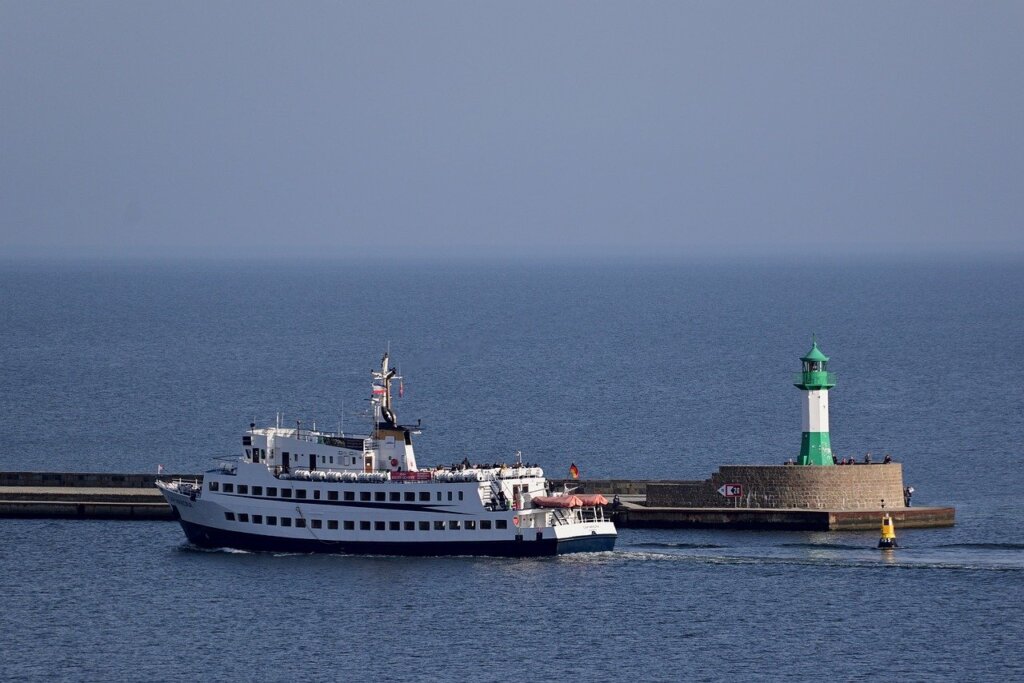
332	460
501	524
395	495
424	526
257	519
323	459
272	491
460	495
449	495
243	517
242	488
248	454
438	526
410	526
378	495
263	454
425	495
229	488
286	521
349	495
300	493
349	525
410	496
439	495
378	526
364	495
257	490
300	523
470	525
214	486
286	493
316	494
333	524
454	524
316	523
485	524
394	526
272	521
230	516
332	495
364	526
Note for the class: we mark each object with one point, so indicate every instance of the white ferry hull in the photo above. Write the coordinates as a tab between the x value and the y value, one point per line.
204	525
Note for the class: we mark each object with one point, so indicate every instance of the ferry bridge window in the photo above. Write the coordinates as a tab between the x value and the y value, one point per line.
395	495
272	491
425	496
424	526
438	526
378	526
272	521
378	495
394	526
485	524
454	524
410	496
243	517
501	523
300	493
410	526
332	495
214	486
257	490
257	519
349	495
364	526
349	525
315	523
230	516
229	488
364	495
286	521
286	493
242	488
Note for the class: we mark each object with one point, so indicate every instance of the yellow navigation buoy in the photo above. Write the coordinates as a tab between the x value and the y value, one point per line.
888	539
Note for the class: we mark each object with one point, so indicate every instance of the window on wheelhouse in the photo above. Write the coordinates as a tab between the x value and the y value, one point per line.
213	486
229	488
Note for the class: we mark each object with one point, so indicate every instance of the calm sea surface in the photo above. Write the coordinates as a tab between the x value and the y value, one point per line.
645	371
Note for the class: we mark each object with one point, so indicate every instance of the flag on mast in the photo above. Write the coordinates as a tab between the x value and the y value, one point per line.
574	471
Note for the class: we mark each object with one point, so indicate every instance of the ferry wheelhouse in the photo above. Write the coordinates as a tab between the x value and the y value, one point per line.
304	490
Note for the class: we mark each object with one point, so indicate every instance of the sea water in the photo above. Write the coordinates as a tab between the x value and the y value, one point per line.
639	370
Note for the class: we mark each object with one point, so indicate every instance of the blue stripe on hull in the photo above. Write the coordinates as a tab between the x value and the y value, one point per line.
210	537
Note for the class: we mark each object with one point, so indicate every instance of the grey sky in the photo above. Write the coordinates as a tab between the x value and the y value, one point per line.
519	128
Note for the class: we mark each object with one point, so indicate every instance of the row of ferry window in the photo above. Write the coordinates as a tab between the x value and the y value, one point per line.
350	525
378	496
256	454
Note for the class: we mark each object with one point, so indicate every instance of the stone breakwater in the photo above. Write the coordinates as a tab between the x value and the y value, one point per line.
843	487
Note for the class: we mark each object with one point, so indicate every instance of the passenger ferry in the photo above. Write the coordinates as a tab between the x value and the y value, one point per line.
303	490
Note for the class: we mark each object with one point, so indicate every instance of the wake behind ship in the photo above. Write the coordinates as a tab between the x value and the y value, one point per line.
302	490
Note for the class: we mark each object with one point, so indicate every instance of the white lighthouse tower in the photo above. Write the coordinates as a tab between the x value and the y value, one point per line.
815	380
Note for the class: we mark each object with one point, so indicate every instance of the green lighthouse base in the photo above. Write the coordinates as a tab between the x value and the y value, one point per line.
815	449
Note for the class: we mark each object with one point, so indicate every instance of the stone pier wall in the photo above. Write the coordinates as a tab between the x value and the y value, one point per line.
839	487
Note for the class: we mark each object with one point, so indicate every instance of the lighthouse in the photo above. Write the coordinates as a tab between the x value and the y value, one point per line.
815	380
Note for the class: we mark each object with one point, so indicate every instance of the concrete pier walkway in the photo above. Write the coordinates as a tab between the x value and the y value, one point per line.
135	496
